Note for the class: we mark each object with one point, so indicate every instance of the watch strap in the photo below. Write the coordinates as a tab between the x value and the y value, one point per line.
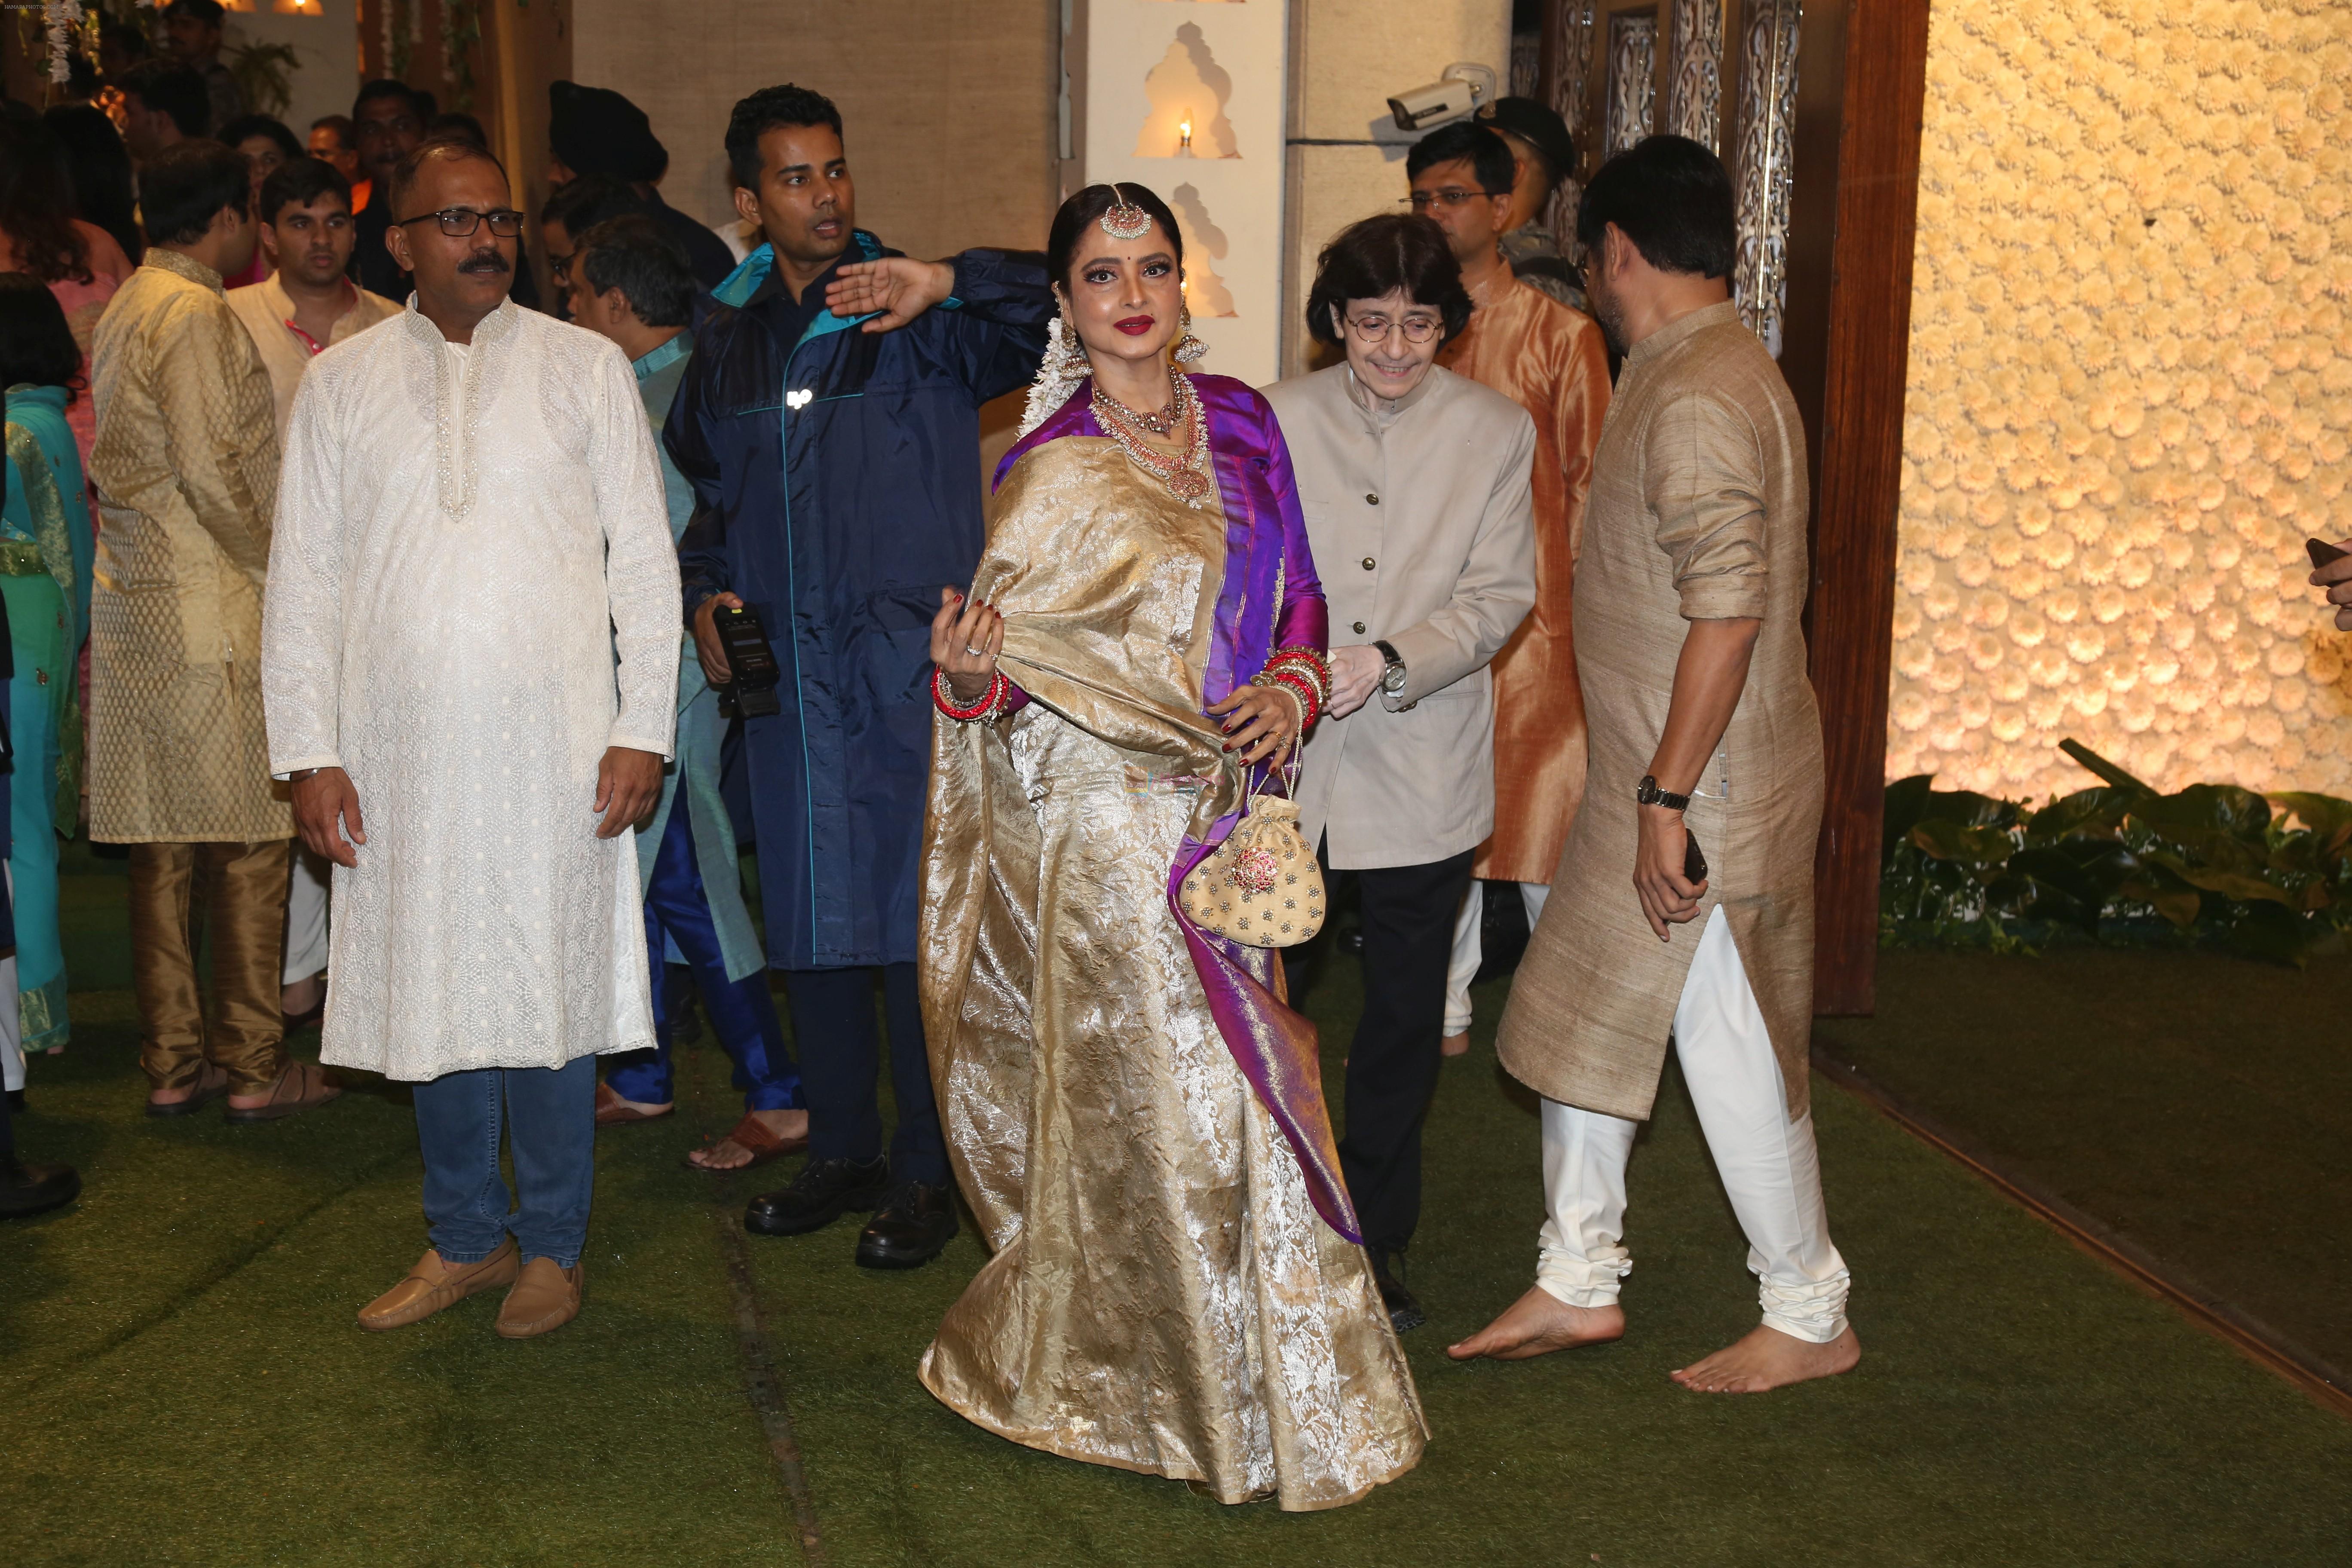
1647	793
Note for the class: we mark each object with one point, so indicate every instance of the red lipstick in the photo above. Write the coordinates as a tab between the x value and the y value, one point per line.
1136	326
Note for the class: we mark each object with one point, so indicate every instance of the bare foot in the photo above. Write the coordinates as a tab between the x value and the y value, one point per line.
728	1155
1538	1323
1766	1358
1454	1045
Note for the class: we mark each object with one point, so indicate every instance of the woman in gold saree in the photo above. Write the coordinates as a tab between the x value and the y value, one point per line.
1133	1111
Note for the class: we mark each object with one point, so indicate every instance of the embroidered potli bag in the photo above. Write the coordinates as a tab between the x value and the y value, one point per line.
1262	885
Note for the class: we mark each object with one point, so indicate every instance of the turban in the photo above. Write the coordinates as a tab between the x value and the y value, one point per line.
595	130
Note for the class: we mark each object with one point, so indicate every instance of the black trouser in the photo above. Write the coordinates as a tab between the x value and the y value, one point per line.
1408	915
834	1035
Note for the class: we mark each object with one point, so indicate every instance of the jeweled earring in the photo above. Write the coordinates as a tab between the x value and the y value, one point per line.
1187	347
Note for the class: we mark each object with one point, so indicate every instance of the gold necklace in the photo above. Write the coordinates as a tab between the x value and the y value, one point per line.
1186	474
1162	423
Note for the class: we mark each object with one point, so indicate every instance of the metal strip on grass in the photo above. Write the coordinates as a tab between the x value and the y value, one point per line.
2253	1338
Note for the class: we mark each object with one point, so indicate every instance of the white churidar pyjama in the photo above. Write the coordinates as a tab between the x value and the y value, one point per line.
306	915
1469	952
1768	1163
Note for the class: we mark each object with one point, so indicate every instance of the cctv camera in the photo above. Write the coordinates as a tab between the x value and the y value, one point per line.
1459	90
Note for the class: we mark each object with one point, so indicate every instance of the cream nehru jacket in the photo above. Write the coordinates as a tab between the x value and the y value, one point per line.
1422	526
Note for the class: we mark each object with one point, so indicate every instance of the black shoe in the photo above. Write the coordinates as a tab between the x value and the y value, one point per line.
1404	1307
914	1223
35	1189
820	1193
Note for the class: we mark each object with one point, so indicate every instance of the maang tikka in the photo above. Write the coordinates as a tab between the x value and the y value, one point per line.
1123	220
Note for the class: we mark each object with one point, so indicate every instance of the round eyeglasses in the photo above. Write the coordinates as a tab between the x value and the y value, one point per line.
459	222
1376	329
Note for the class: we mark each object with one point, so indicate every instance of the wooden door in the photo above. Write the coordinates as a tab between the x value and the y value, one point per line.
1814	106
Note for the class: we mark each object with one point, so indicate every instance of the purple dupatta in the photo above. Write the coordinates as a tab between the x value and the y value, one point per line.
1270	598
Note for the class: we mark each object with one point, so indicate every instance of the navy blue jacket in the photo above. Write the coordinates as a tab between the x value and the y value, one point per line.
838	489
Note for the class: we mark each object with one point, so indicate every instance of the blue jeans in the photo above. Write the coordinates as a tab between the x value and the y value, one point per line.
742	1015
549	1118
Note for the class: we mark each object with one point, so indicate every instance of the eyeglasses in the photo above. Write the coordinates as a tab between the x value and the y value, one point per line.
1376	329
459	222
1452	196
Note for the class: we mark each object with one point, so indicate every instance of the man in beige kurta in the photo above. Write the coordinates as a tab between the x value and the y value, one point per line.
1689	594
186	467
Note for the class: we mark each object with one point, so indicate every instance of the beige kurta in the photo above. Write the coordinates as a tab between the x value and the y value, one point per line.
1549	360
1698	512
186	470
268	312
1419	522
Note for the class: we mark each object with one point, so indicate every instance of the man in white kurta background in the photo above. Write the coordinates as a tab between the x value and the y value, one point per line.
469	526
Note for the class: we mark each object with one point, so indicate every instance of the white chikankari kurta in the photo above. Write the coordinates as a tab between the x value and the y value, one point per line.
466	537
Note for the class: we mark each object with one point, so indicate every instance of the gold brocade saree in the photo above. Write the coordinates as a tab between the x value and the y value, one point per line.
1163	1297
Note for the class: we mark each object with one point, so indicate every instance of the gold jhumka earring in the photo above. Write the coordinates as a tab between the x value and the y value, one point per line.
1187	347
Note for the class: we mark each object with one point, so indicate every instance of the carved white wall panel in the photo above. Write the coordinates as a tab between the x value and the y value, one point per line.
1695	83
1761	170
1155	69
1633	77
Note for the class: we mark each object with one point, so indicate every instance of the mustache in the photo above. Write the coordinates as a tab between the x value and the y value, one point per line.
485	262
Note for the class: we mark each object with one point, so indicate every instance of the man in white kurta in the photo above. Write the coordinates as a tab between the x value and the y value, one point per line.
470	662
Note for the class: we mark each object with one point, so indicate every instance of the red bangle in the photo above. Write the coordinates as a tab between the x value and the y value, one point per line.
989	701
1310	705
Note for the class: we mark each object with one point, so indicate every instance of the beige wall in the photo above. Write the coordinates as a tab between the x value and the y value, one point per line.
2130	395
1346	58
948	105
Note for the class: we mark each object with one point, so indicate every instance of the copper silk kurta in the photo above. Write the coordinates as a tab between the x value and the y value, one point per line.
1698	512
1549	360
1163	1297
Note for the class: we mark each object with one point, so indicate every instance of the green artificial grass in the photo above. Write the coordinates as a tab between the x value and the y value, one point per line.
2016	1403
180	1381
2199	1104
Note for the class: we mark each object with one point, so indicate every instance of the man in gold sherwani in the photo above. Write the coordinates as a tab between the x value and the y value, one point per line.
186	467
1688	598
1549	360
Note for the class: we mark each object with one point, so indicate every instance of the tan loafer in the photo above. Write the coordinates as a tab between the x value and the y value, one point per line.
543	1299
612	1110
432	1285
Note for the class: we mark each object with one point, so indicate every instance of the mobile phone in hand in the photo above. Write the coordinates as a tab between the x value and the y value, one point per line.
1693	863
2322	552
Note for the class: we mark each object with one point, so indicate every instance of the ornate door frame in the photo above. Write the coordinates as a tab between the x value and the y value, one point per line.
1826	171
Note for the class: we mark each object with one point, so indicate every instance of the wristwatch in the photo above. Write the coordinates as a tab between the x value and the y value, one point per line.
1391	677
1647	793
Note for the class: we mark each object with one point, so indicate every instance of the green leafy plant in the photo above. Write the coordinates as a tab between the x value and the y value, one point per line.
264	74
2119	862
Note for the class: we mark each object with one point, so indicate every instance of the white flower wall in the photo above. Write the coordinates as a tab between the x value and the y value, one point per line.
2130	393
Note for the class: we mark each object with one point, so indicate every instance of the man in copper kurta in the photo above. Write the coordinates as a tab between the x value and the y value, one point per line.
1549	360
186	467
1703	729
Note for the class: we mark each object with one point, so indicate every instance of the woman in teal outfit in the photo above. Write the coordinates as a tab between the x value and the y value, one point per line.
46	550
